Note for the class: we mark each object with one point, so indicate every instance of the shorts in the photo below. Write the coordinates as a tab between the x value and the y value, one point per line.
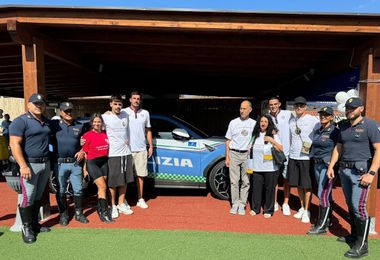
98	167
299	174
140	163
120	171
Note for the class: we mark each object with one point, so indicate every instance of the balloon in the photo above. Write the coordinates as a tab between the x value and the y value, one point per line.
341	97
352	93
341	108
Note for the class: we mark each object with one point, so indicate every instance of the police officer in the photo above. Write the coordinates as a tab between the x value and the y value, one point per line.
324	140
68	154
29	141
238	136
357	168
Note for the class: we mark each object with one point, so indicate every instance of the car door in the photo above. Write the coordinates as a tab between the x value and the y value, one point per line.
174	162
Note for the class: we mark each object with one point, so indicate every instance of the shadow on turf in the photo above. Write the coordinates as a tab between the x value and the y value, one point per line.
1	233
8	216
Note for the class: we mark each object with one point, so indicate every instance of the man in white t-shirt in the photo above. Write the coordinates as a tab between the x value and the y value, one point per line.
140	132
281	120
299	173
120	169
238	136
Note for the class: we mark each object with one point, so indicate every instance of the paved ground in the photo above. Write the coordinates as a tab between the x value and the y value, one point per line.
190	210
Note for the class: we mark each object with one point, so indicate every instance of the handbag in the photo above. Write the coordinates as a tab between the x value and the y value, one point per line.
278	157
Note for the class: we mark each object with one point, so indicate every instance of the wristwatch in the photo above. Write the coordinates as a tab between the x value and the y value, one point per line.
373	173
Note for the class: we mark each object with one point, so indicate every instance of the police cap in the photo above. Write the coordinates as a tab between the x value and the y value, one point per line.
354	102
327	110
37	98
66	106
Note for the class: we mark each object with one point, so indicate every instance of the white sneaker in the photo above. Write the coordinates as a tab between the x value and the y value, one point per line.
286	210
275	207
299	214
115	212
125	209
306	217
142	204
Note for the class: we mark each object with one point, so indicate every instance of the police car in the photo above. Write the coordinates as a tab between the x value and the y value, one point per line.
186	157
183	157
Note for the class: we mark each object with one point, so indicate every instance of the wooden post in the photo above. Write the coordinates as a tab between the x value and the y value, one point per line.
33	65
370	92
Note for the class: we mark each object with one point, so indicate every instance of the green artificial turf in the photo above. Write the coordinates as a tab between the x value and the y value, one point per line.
75	243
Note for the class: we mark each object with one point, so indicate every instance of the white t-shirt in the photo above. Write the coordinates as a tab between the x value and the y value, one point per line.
117	133
281	121
138	122
240	133
306	124
262	155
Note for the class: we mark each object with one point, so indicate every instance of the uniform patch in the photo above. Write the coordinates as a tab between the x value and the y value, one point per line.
192	144
359	130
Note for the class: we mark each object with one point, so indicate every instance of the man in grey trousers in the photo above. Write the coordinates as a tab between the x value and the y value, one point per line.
238	136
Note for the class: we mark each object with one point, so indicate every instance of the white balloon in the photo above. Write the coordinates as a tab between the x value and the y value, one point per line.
341	108
352	93
341	97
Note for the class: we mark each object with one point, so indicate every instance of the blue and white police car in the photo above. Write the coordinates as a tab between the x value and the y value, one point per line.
186	157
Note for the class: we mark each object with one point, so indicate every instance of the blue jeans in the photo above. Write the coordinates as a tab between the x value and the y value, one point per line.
33	189
69	170
355	194
324	184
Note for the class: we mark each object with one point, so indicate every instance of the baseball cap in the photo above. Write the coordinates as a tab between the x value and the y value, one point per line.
36	98
300	100
66	106
327	110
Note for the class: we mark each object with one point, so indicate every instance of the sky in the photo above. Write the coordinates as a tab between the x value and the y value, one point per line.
334	6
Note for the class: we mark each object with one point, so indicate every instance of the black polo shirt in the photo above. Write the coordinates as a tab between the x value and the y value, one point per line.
357	140
66	138
324	141
35	134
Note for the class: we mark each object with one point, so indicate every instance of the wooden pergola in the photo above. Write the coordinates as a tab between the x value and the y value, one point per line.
65	52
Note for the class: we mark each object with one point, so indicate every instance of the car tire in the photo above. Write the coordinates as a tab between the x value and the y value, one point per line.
219	181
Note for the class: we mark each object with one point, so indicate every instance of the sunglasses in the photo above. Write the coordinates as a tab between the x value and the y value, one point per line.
300	105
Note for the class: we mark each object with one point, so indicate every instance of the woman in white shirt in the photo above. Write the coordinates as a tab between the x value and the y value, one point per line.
265	170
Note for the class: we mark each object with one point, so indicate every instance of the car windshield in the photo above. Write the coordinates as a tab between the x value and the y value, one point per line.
192	128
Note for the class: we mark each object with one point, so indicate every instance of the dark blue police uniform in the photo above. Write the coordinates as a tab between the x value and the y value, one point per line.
324	141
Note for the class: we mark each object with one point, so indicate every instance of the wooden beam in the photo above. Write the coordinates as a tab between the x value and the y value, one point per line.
23	34
282	25
33	69
370	92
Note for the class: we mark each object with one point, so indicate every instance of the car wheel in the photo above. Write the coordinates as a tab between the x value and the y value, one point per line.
219	181
53	185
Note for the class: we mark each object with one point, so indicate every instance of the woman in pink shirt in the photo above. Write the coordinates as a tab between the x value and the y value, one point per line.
96	149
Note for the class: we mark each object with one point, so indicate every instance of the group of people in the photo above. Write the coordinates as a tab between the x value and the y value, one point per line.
313	147
111	152
116	147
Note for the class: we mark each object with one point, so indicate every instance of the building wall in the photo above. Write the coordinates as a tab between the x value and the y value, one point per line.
12	106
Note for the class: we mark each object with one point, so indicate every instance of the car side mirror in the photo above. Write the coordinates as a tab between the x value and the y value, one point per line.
180	134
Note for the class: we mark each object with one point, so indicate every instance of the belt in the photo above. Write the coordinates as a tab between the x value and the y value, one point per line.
238	151
66	160
318	161
38	160
349	165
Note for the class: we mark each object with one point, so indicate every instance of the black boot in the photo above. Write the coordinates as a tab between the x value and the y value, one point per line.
26	215
360	248
351	238
36	225
63	210
104	215
323	222
79	216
